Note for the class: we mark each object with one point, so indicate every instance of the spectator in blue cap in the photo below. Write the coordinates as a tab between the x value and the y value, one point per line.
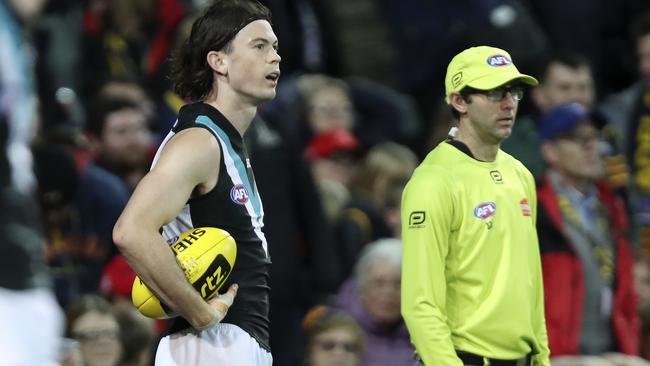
562	120
590	301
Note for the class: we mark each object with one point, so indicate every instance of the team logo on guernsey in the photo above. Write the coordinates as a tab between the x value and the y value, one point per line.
498	60
239	194
525	208
485	210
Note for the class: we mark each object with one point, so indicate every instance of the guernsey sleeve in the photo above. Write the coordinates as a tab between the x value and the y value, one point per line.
427	222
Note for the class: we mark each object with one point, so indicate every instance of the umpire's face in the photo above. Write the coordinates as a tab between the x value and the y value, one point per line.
487	117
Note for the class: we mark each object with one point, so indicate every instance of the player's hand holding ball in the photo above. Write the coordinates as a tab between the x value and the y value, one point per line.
207	257
221	304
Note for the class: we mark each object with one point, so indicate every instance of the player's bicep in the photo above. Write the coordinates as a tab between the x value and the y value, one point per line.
157	200
191	159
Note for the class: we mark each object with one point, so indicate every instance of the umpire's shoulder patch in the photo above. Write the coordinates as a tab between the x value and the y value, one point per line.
417	219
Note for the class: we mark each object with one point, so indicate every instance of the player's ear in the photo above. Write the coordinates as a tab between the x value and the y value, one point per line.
218	62
458	103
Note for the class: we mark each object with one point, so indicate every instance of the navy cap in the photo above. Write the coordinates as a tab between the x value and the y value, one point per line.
562	120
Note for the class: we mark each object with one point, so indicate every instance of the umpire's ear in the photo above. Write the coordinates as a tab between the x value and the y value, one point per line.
458	103
218	62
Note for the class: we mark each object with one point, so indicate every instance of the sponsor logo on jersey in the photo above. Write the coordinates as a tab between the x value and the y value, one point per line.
485	210
496	176
498	60
416	219
239	194
525	208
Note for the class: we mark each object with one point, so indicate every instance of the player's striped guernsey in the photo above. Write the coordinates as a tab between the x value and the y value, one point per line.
233	205
471	273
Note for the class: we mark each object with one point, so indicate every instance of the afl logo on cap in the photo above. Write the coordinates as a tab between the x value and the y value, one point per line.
498	60
239	194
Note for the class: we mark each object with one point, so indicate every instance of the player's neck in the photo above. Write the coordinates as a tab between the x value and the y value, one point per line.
481	150
238	112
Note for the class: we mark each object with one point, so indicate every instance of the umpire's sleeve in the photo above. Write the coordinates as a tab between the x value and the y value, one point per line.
427	211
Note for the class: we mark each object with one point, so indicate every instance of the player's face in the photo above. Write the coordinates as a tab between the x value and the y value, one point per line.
381	293
491	120
335	347
254	62
564	84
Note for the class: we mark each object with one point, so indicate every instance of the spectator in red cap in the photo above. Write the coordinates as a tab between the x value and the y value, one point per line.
117	279
333	157
332	154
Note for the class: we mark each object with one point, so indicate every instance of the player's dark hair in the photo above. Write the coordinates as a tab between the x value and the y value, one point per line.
191	75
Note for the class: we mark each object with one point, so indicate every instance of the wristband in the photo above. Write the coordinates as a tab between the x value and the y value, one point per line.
219	310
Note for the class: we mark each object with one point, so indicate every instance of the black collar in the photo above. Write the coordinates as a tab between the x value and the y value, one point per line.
461	146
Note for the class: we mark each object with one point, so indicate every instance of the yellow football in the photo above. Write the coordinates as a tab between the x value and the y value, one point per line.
206	255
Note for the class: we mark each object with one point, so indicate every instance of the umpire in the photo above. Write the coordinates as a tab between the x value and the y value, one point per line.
472	289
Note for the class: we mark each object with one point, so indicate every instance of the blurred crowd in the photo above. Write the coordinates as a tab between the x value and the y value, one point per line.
84	86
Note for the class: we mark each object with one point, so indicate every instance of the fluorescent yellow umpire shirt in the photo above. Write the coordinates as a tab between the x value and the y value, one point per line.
471	273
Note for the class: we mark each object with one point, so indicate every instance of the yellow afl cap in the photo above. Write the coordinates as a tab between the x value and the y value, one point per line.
482	68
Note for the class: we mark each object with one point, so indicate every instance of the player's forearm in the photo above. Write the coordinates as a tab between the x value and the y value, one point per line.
150	257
